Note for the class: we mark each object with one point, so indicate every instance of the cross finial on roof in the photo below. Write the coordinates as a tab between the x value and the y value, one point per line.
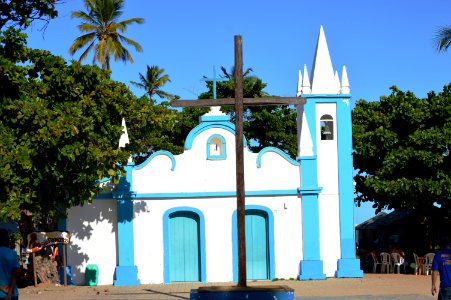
214	79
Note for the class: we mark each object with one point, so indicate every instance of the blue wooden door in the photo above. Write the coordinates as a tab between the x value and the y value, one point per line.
256	245
184	247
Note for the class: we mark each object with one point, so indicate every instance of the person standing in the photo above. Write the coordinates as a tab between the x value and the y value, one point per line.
441	268
9	268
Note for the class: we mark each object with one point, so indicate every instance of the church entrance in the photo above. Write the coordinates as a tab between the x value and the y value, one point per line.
184	250
257	254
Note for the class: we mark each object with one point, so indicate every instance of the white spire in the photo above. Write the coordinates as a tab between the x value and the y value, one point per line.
323	81
305	82
299	90
124	137
337	82
345	82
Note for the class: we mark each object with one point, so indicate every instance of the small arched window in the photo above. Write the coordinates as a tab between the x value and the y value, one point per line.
216	147
326	124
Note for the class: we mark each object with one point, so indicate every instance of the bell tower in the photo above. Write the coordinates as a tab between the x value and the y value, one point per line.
325	153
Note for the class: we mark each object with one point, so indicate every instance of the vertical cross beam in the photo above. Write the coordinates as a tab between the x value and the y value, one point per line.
214	79
240	162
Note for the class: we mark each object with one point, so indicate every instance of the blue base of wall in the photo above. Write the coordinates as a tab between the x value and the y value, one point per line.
248	293
311	270
68	275
348	267
126	276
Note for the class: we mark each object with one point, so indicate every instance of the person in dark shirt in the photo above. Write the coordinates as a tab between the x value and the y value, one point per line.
441	268
9	268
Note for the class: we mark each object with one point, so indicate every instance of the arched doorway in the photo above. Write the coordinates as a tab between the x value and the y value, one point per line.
257	245
184	246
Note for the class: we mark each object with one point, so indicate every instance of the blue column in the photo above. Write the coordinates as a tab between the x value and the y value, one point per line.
126	271
311	267
348	265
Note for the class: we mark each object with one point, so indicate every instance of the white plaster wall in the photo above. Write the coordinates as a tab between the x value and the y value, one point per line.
288	248
329	233
194	173
327	151
93	229
328	198
218	212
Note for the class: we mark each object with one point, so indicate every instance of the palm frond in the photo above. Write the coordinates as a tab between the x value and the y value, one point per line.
163	94
138	84
137	46
442	38
85	53
122	26
80	42
226	74
83	27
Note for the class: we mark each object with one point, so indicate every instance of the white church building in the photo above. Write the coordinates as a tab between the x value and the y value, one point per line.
173	217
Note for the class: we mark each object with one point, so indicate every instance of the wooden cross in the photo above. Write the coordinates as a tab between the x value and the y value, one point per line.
239	102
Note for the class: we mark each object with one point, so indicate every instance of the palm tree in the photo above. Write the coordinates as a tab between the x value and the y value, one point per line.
103	32
443	38
153	82
231	74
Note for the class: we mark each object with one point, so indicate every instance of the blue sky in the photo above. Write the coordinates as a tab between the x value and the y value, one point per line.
382	43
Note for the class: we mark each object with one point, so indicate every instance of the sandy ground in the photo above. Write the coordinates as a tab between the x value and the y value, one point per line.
372	286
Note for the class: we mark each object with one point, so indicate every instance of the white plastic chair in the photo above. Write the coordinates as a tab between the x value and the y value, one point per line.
376	262
417	264
427	267
386	262
398	262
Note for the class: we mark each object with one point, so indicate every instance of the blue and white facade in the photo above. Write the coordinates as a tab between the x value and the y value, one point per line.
173	218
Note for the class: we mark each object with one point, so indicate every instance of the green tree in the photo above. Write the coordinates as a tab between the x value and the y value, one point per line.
59	130
102	29
158	132
402	151
442	39
272	125
153	81
23	12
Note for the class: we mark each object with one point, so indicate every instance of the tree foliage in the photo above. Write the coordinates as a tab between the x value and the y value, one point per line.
23	12
271	125
103	32
402	151
60	125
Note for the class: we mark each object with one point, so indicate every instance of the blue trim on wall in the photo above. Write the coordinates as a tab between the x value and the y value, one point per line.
324	98
348	265
310	218
221	194
272	261
309	165
126	272
223	155
208	118
156	153
311	266
166	271
278	151
209	125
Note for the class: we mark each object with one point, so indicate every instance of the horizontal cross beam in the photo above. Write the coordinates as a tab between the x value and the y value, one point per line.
231	101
